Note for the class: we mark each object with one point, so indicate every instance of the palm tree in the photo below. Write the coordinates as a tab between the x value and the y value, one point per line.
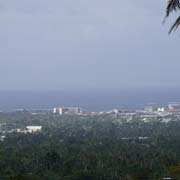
173	5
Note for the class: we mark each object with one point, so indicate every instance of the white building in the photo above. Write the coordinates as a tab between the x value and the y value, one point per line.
66	110
174	107
160	109
149	109
33	129
116	111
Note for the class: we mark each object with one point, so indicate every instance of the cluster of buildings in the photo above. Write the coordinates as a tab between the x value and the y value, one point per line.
174	107
30	129
74	110
170	108
27	129
67	110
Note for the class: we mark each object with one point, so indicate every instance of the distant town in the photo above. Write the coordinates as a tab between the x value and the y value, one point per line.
171	108
146	135
164	114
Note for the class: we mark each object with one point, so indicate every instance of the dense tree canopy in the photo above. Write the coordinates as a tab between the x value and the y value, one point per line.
104	147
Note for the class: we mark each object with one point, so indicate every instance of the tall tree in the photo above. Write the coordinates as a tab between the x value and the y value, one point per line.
173	6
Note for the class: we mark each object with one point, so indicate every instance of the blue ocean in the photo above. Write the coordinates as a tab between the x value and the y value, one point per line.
88	100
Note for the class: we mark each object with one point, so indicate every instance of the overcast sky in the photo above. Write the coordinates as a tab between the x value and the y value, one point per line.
65	44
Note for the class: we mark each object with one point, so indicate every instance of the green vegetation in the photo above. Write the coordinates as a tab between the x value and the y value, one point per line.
173	6
88	148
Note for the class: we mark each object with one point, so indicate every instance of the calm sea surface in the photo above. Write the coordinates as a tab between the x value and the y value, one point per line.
89	100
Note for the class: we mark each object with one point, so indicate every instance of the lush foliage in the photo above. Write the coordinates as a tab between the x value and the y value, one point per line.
89	147
173	6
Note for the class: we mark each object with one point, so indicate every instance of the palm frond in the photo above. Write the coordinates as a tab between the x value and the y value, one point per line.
173	5
175	25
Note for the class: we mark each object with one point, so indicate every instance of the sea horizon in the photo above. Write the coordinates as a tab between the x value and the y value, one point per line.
88	100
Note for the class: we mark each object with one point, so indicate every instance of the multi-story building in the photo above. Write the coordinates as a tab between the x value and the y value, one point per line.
67	110
174	107
150	109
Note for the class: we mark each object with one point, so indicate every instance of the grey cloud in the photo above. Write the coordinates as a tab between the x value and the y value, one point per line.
97	44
